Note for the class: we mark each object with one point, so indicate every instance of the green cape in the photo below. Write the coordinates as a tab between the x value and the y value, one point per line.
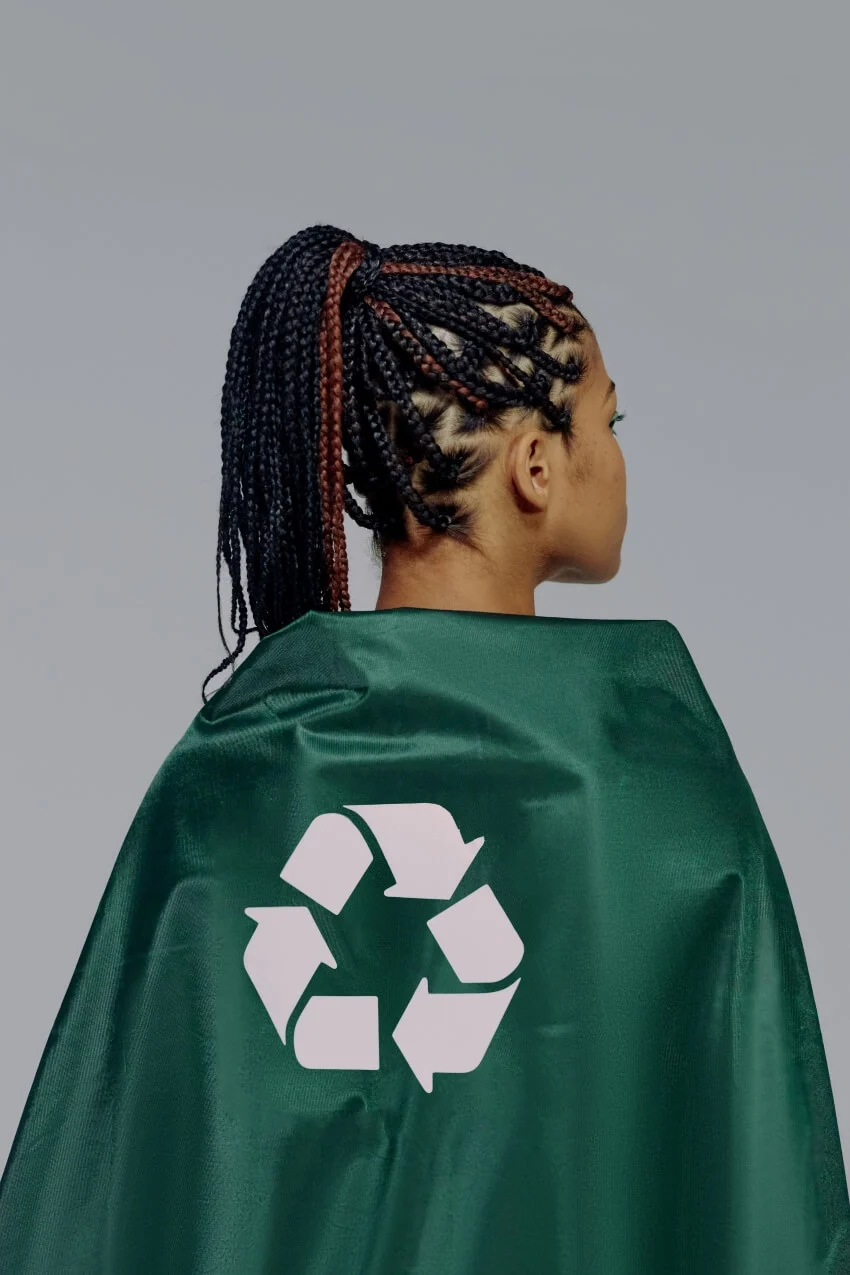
442	943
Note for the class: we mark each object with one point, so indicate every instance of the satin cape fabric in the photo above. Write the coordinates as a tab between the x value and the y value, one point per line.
655	1099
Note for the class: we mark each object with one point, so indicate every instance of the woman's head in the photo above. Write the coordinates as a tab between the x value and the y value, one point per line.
442	395
549	496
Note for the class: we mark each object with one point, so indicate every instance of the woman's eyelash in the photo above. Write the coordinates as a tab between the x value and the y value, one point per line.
620	416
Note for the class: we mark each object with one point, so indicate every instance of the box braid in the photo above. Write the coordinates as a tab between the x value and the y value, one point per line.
353	368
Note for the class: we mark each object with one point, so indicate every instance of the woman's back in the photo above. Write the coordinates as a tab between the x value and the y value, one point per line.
443	942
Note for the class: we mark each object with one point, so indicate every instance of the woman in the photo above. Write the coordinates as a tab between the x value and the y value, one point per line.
448	939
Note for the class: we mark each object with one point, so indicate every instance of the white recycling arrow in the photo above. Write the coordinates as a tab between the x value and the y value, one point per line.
422	845
282	956
477	938
450	1032
328	861
338	1031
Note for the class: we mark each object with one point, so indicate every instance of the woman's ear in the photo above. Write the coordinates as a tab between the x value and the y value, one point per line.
529	469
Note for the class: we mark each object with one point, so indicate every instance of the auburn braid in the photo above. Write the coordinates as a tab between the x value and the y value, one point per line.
353	368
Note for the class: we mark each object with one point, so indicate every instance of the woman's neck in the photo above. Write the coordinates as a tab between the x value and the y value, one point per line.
452	577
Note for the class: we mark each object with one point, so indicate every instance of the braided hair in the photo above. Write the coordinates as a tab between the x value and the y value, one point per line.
384	372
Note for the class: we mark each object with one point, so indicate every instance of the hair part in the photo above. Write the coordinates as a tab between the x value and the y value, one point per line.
380	373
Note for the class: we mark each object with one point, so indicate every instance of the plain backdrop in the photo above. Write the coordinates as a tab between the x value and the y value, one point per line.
681	167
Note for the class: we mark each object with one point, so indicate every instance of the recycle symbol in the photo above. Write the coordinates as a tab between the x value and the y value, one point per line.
428	857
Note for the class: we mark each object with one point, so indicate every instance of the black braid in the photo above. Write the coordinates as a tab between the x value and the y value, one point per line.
278	524
386	462
486	332
398	389
426	514
455	254
358	470
273	505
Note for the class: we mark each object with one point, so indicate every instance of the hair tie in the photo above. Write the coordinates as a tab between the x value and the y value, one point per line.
361	280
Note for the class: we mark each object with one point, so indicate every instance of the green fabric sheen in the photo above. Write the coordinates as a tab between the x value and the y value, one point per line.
656	1099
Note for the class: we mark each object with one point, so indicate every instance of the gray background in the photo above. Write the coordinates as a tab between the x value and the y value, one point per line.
681	167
